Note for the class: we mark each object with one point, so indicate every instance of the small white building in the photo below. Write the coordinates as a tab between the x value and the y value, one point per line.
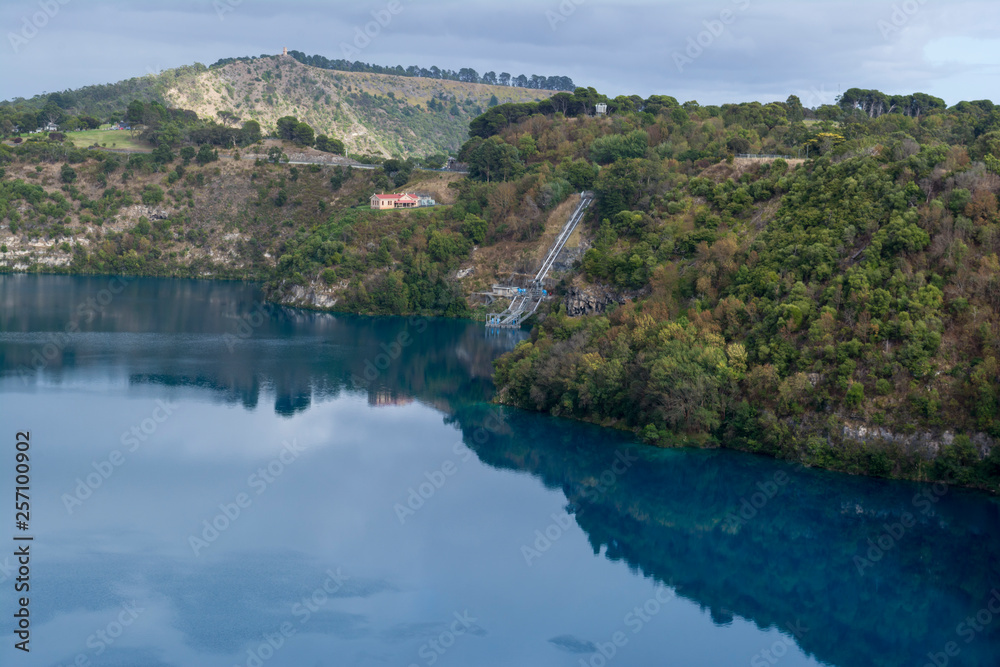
602	109
51	127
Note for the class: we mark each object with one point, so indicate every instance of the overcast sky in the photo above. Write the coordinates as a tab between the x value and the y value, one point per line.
713	51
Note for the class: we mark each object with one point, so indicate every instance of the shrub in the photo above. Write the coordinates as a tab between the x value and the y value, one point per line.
618	147
329	145
206	155
152	195
855	395
959	199
444	246
474	228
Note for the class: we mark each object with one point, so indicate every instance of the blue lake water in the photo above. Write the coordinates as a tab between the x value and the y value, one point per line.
215	481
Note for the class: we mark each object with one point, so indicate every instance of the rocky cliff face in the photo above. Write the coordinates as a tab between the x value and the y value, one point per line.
926	444
590	300
567	260
315	296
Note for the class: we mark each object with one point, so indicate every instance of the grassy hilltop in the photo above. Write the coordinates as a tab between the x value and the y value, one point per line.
378	114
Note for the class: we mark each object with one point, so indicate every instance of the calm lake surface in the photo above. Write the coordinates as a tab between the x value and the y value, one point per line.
219	482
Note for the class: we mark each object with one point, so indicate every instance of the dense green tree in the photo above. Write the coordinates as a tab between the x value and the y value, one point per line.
206	155
619	147
494	159
474	228
152	195
329	145
251	133
286	127
436	161
304	135
136	112
397	171
163	154
188	153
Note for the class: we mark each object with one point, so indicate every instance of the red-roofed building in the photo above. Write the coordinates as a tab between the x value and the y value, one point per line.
383	202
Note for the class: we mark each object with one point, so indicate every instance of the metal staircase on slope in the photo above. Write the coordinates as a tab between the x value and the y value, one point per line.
526	301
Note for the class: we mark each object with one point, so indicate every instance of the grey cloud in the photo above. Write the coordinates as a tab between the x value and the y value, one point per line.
770	48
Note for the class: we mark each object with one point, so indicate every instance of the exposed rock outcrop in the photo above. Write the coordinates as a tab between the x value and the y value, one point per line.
590	300
151	213
925	443
315	296
567	259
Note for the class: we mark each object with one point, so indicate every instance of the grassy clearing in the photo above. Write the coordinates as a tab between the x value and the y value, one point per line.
108	139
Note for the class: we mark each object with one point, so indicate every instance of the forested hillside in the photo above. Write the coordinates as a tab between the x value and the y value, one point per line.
306	231
301	229
845	312
838	307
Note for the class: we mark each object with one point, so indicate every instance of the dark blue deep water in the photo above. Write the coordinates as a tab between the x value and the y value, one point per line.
215	481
